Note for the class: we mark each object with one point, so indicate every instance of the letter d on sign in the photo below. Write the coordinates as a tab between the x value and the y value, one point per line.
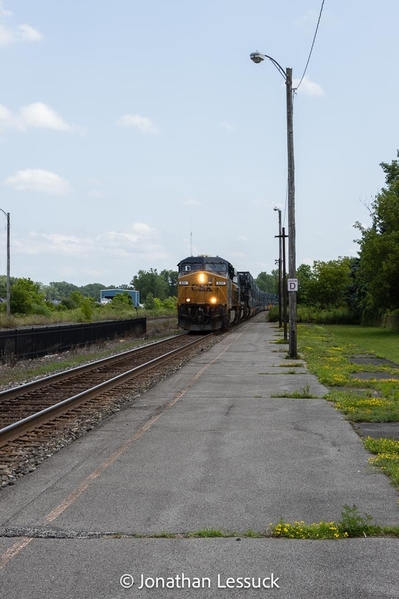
292	284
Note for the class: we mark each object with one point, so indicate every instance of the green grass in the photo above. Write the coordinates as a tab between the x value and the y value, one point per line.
383	343
352	524
327	350
302	394
387	456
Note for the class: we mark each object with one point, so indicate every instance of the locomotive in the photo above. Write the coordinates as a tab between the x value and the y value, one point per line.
211	294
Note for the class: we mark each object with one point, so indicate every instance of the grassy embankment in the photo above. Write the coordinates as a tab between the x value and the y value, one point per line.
327	350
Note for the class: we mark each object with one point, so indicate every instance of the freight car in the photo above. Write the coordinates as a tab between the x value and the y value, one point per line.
211	294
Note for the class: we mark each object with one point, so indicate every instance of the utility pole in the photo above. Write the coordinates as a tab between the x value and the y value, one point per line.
291	218
284	282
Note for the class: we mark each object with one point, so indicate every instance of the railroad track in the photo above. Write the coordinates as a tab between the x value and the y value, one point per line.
35	412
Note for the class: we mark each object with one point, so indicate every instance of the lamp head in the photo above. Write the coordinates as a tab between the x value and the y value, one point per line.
257	57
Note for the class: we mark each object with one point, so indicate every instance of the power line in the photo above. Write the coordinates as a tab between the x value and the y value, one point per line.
311	49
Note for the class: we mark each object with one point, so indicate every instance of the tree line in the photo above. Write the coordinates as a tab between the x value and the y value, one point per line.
361	290
157	290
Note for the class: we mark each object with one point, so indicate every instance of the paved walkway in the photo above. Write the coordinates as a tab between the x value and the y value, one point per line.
218	445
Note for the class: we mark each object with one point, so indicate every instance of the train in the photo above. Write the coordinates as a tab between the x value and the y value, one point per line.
212	295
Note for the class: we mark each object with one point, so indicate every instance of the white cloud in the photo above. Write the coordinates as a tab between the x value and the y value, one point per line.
10	34
3	11
6	36
41	115
226	125
308	87
40	180
36	115
138	240
8	119
141	122
29	34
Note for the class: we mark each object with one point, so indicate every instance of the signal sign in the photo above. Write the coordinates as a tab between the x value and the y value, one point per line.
292	284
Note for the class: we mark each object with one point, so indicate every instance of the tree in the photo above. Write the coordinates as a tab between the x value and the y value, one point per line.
92	290
329	282
170	303
170	276
27	297
378	271
121	301
59	290
324	284
150	282
3	285
149	302
268	282
305	277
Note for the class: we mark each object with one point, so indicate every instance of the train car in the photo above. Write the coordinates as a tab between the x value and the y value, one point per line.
252	298
211	294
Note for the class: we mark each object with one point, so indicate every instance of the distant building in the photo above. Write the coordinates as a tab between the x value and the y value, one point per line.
106	295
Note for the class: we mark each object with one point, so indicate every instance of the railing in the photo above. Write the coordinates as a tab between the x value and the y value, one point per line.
39	341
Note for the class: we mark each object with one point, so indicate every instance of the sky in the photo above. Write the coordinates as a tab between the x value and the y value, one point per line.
134	134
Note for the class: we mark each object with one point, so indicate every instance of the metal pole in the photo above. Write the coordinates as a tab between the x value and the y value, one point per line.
280	287
283	236
291	217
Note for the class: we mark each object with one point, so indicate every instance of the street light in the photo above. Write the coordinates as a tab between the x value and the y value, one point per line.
258	57
7	214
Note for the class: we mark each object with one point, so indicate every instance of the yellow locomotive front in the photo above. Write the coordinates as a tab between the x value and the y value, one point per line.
207	294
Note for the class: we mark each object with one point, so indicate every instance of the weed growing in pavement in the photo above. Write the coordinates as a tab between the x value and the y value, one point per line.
300	530
365	407
209	532
303	394
355	524
352	524
387	456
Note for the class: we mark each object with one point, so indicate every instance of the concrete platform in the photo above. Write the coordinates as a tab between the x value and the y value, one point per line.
210	447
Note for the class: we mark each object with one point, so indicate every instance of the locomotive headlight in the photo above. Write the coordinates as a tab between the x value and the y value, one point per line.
201	277
213	300
188	300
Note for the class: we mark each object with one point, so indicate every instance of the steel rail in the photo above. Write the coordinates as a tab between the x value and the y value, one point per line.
17	429
66	374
